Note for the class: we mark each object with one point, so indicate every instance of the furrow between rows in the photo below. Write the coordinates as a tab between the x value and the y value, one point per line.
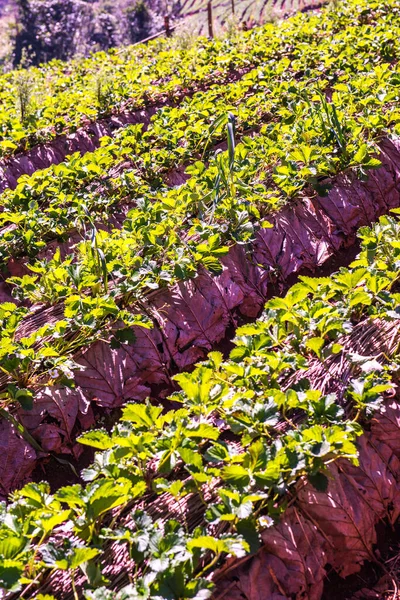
193	316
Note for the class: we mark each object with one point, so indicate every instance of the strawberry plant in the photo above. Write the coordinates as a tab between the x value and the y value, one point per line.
240	437
310	99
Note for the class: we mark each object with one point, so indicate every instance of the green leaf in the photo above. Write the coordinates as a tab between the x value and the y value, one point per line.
82	555
199	589
197	385
238	353
360	298
204	431
217	453
144	415
216	358
92	571
315	344
108	494
49	523
96	439
205	542
190	457
212	264
71	495
69	556
8	145
48	352
175	489
320	449
11	546
10	573
361	154
248	530
25	398
373	163
336	348
236	476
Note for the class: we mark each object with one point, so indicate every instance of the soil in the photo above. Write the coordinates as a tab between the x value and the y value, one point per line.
59	474
341	258
376	580
65	469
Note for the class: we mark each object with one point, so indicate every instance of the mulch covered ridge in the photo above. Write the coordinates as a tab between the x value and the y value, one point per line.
193	316
335	528
87	137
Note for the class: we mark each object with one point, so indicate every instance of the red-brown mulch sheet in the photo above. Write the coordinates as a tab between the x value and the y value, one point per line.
335	530
193	316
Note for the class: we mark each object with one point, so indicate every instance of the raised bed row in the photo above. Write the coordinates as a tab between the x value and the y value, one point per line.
192	317
87	138
335	528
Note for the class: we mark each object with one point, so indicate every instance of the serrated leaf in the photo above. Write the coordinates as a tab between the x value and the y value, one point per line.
144	415
203	430
10	573
361	153
99	439
236	476
315	344
11	546
190	457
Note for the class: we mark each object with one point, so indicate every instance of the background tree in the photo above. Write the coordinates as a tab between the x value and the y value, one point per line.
59	29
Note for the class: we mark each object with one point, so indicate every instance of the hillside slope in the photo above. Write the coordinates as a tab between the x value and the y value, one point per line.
231	171
193	13
190	16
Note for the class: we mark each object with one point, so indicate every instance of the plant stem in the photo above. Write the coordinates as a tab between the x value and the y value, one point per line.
209	566
74	590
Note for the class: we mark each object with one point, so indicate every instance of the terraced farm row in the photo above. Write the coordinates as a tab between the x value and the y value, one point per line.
290	401
127	262
115	87
252	12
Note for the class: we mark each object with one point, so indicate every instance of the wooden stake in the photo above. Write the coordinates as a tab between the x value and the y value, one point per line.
166	26
233	6
210	22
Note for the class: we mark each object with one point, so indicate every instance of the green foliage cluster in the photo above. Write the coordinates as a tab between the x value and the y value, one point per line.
319	91
168	234
221	444
64	95
303	139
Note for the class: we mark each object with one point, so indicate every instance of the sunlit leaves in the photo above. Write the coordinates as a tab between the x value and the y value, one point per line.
247	426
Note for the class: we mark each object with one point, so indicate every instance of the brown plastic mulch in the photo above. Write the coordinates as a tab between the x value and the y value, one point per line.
332	532
191	317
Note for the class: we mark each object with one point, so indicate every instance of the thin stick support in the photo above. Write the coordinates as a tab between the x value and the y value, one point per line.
167	26
210	20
